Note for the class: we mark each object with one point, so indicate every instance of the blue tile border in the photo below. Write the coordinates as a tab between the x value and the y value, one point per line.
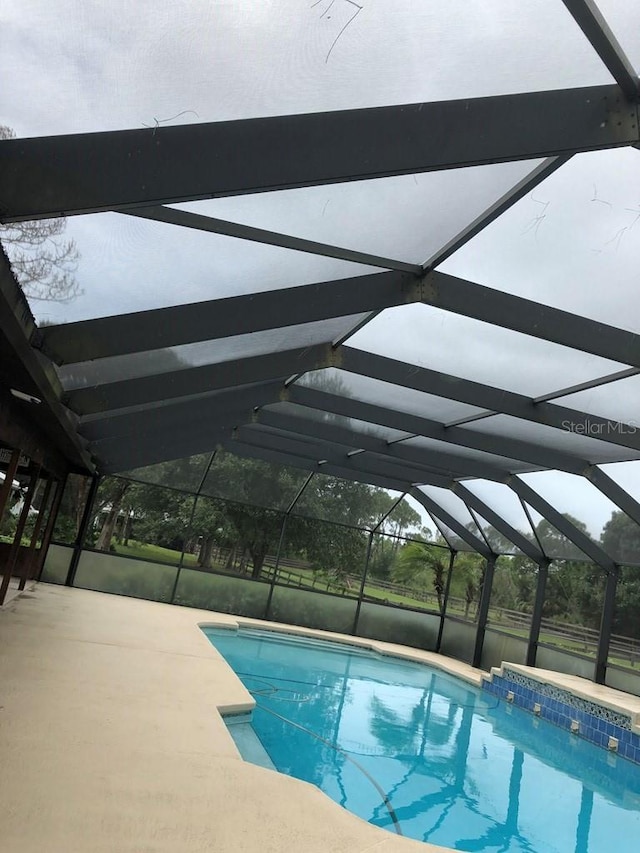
558	706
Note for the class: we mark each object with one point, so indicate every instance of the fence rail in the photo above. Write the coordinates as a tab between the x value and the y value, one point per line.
300	574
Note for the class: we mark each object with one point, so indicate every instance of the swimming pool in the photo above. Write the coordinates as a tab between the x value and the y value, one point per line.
420	753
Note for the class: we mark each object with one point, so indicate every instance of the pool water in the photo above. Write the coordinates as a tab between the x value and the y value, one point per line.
421	753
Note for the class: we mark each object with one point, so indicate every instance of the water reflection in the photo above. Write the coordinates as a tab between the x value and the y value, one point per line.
398	743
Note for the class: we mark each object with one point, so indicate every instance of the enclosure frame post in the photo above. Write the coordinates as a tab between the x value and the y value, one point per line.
44	506
367	558
283	528
5	491
82	530
17	539
536	616
196	497
483	610
51	523
606	624
445	602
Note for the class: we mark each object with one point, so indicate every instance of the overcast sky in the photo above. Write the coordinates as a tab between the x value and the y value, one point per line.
73	66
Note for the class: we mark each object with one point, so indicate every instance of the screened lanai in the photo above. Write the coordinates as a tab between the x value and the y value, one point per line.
352	243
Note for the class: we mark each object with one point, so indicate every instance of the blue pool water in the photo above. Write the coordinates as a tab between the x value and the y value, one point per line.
418	752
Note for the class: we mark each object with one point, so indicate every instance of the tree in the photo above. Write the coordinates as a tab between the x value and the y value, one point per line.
43	262
422	566
621	538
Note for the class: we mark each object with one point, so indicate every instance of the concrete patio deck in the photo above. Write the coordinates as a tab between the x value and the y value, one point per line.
111	741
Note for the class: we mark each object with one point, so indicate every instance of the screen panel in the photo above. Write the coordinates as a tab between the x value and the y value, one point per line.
387	395
211	62
440	340
560	242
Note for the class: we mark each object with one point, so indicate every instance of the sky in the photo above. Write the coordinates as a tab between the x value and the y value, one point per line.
74	66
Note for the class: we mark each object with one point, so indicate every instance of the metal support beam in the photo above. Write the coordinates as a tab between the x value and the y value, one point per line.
33	542
161	387
237	315
447	589
283	528
51	522
119	455
485	396
580	540
524	544
440	462
365	570
528	317
53	176
196	497
5	489
540	173
415	425
614	492
536	616
185	219
268	455
513	195
483	611
460	530
314	451
606	624
227	406
87	515
7	569
594	26
223	318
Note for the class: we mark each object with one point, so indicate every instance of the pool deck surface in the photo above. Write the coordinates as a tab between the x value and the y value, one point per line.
110	740
111	737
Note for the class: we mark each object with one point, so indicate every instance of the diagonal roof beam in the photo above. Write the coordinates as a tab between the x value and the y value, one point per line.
486	397
306	426
146	390
513	195
86	173
614	492
580	540
436	471
223	318
114	456
525	545
446	463
173	415
240	448
413	424
594	26
518	191
236	315
518	314
187	219
453	524
297	445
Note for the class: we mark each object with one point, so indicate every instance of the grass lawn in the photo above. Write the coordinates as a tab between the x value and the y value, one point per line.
154	552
